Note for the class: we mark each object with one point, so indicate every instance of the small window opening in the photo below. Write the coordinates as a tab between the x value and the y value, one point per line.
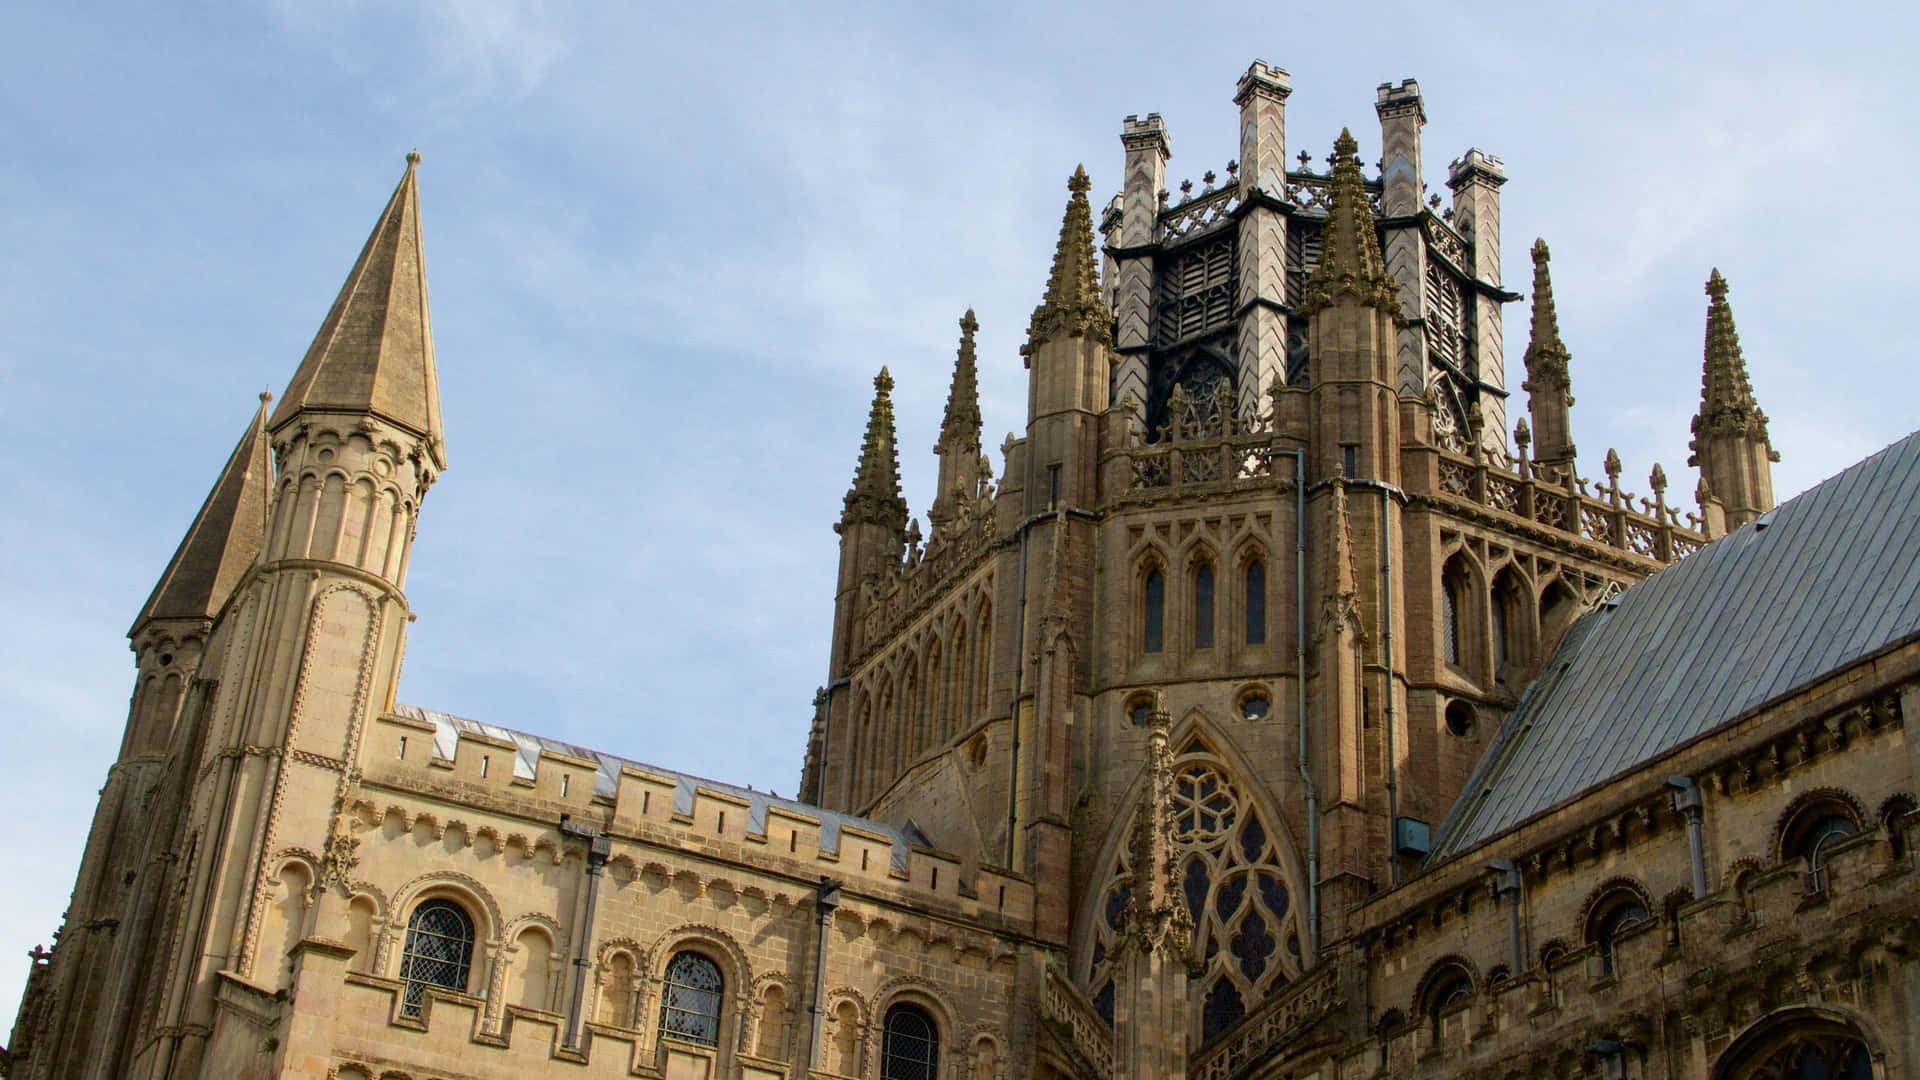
1459	719
863	858
1256	602
1153	613
1053	487
1203	607
563	784
1002	905
793	841
933	880
646	797
1254	707
1350	461
720	823
1141	714
403	748
486	761
166	659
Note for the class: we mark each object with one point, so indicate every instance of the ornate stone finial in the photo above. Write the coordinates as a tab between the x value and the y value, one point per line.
413	158
1612	466
1727	405
1186	190
266	397
1702	491
1072	307
1522	435
1207	179
1433	202
1350	265
875	496
1546	356
1657	480
1305	159
961	425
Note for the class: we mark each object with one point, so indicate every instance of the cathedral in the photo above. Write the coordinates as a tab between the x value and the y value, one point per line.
1291	701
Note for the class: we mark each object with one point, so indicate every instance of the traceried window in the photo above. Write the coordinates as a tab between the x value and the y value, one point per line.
1203	606
690	1000
1800	1045
1256	602
1246	936
910	1048
438	952
1153	611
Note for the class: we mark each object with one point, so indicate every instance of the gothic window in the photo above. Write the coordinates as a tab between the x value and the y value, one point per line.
1617	913
1256	602
1196	291
1203	606
910	1048
1153	610
1798	1046
438	952
1194	395
690	999
1504	610
1230	874
1449	620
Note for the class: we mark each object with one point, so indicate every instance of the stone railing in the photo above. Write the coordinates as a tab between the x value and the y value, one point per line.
1292	1009
919	577
1558	499
1062	1004
1199	214
1208	443
1313	192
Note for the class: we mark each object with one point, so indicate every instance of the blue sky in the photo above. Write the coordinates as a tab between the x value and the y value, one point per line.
669	246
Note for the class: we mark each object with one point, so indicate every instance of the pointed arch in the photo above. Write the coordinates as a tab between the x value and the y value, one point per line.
1201	592
957	691
1250	598
1150	607
1240	870
983	666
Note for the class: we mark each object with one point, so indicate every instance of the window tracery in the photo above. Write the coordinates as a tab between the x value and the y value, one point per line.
1240	897
438	952
1799	1047
690	999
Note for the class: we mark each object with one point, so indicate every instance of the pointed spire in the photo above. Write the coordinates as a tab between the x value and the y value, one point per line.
961	427
875	495
1072	307
374	351
1350	263
225	536
1727	406
1548	383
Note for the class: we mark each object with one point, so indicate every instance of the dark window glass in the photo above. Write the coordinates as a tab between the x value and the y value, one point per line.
1154	610
690	1001
1222	1008
1499	613
1203	608
911	1048
438	952
1449	621
1256	603
1450	992
1622	918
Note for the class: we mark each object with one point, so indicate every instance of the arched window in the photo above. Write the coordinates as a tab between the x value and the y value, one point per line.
1449	988
1256	602
438	952
1153	610
910	1049
690	1000
1799	1045
1203	606
1618	913
1814	833
1449	620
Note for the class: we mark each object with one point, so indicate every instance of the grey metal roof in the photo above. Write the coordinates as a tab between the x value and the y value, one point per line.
1832	576
606	780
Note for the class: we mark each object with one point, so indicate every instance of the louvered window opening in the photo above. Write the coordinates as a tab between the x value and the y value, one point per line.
690	1001
438	952
911	1047
1446	342
1196	292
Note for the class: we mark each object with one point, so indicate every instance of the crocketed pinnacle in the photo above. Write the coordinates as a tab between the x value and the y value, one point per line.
875	496
1547	355
1156	917
1350	263
961	427
1727	406
1072	307
225	536
374	352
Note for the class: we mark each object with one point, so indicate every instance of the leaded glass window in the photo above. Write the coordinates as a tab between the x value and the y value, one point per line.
690	1001
1153	614
910	1047
1203	606
438	952
1256	602
1229	869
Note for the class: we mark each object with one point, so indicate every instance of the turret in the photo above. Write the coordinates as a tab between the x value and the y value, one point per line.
1476	179
959	445
1261	293
1548	386
1353	312
1069	356
1730	442
1402	114
311	646
1148	147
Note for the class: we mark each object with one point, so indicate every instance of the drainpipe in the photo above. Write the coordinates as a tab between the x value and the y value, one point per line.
1687	803
598	848
825	899
1386	648
1300	693
1507	883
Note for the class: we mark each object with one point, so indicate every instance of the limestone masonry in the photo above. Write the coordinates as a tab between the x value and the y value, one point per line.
1286	704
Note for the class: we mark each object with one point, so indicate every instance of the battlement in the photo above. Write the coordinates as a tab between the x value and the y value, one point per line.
637	803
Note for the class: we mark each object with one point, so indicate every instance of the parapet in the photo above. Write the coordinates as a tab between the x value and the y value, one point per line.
1476	164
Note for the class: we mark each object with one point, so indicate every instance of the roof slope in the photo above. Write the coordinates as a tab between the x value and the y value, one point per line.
374	352
1816	584
224	538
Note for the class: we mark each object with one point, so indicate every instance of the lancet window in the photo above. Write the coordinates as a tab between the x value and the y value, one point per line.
1228	861
1203	606
1255	606
1153	611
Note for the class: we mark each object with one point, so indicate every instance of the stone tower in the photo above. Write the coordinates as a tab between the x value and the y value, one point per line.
272	637
1265	489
